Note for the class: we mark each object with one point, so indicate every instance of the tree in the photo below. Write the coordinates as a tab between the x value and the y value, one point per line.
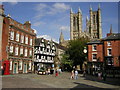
66	62
75	51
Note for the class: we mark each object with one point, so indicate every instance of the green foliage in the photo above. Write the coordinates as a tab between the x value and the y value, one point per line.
66	62
21	55
74	55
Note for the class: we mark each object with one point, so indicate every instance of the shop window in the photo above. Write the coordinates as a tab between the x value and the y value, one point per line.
10	65
30	65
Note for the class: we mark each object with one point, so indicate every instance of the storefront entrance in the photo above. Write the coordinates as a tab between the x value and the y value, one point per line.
15	70
25	68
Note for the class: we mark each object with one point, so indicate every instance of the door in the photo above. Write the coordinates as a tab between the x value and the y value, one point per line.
15	68
25	68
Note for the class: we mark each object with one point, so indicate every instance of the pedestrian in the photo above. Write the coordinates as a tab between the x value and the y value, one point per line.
104	76
76	74
48	71
84	73
72	74
99	75
56	73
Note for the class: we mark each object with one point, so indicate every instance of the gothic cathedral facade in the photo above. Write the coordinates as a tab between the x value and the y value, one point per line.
93	25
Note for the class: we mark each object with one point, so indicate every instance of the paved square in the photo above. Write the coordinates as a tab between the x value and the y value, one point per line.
50	81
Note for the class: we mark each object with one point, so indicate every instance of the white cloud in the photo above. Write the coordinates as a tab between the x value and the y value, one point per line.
47	37
61	6
38	23
65	28
41	7
58	8
44	9
12	2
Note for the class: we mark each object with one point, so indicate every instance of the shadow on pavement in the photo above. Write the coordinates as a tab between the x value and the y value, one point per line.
112	81
84	86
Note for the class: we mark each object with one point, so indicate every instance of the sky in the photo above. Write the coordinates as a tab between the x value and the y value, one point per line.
49	18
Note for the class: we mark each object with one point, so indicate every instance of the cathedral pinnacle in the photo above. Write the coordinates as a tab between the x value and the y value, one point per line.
79	10
90	7
87	18
71	10
61	37
99	6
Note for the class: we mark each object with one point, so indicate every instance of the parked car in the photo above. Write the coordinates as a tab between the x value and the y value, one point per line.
42	71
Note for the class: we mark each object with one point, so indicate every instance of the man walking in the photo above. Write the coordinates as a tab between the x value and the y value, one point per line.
76	74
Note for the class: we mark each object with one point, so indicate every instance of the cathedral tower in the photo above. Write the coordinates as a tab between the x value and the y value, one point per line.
75	24
95	28
61	39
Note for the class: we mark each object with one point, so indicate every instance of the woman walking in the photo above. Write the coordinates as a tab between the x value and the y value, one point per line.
72	74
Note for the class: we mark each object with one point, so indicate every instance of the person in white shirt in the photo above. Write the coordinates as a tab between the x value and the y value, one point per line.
76	74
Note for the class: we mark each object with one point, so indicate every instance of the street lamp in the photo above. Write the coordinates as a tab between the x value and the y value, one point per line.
85	52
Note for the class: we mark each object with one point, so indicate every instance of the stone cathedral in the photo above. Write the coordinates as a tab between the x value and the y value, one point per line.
93	25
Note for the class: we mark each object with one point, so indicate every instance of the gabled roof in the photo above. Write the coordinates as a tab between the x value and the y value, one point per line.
114	36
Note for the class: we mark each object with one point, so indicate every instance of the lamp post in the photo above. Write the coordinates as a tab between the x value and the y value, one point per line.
85	52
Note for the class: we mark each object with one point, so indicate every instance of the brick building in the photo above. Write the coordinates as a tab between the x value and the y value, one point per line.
104	53
111	46
95	56
17	45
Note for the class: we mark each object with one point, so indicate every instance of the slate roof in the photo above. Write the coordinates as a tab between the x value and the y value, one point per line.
114	36
95	42
60	46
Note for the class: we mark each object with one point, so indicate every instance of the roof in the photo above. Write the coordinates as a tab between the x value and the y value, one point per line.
95	42
60	46
114	36
39	40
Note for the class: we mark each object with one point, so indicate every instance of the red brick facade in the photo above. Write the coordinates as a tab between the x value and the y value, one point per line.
18	38
115	51
99	52
107	51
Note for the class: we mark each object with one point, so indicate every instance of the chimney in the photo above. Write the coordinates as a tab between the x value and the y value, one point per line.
1	10
108	34
27	24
